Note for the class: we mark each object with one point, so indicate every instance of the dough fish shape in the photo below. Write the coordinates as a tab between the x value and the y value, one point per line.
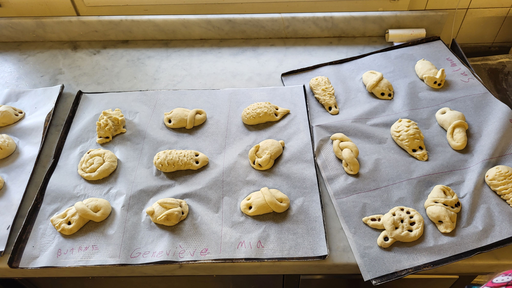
174	160
378	85
265	201
75	217
263	155
427	72
184	118
324	93
346	151
499	179
455	125
110	123
97	164
442	206
10	115
408	136
168	211
262	112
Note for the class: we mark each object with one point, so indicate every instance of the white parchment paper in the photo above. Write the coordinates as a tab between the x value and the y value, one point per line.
215	228
389	177
27	133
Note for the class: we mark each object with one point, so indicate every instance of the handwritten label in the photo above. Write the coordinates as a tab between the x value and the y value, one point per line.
77	250
248	245
466	77
179	251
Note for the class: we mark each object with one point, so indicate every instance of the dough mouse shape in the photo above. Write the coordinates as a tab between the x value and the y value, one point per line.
455	125
7	146
442	206
168	211
110	123
184	118
262	112
400	224
324	93
97	164
174	160
429	74
378	85
265	201
499	179
408	136
346	151
75	217
263	155
10	115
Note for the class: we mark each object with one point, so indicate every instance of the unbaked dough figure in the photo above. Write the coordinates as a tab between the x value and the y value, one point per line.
378	85
110	123
442	206
324	93
346	151
455	125
408	136
427	72
184	118
263	155
10	115
265	201
168	211
75	217
499	179
7	146
262	112
97	164
174	160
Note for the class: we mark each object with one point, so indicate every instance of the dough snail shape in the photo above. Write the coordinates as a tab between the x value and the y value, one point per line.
408	136
400	224
168	211
427	72
455	125
324	93
442	206
97	164
499	179
265	201
75	217
378	85
174	160
263	155
110	123
10	115
346	151
7	146
184	118
262	112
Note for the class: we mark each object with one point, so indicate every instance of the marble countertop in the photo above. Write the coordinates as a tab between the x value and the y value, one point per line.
188	64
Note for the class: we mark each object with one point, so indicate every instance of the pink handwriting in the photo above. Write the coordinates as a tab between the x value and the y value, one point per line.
77	250
176	251
248	245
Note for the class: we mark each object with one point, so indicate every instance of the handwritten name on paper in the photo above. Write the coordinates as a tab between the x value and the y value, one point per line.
248	245
465	76
179	251
80	250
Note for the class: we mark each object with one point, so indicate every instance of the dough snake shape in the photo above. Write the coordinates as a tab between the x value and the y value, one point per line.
184	118
499	179
455	125
378	85
263	155
75	217
265	201
10	115
97	164
346	151
442	206
174	160
168	211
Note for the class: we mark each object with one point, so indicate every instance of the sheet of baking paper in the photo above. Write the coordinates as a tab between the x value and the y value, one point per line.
215	228
389	177
28	135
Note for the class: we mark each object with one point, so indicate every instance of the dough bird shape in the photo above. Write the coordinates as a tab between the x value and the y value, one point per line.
110	123
346	151
400	224
184	118
168	211
324	93
262	112
455	125
408	136
265	201
263	155
378	85
442	206
75	217
10	115
174	160
427	72
97	164
499	179
7	146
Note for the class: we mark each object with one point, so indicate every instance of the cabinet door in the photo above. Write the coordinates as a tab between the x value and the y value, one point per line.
17	8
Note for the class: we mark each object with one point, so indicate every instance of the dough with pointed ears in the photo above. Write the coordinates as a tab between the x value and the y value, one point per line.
427	72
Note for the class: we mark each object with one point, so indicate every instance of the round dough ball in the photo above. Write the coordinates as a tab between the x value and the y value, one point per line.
97	164
7	146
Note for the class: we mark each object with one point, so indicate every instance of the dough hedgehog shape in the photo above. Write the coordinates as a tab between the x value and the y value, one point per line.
324	93
378	85
168	211
10	115
7	146
400	224
263	155
75	217
184	118
499	179
442	206
110	123
408	136
174	160
262	112
97	164
455	125
265	201
346	151
427	72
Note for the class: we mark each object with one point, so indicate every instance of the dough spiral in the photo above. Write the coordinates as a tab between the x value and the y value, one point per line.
97	164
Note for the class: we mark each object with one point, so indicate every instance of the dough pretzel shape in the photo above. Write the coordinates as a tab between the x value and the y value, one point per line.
455	125
7	146
97	164
262	112
324	93
346	151
174	160
427	72
400	224
499	179
110	123
184	118
263	155
75	217
168	211
378	85
265	201
442	206
10	115
408	136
